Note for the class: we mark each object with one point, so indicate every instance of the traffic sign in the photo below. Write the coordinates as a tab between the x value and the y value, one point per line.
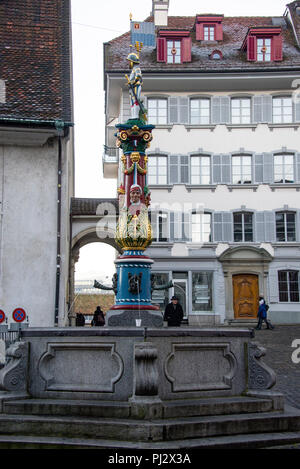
19	315
2	316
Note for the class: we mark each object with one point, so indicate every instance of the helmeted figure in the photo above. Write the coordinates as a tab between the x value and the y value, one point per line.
135	82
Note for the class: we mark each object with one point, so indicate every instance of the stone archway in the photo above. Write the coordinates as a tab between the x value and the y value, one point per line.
244	260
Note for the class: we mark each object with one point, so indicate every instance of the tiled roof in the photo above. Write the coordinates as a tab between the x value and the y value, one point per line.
35	59
234	31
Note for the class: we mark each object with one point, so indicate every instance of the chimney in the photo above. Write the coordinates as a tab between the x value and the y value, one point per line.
160	11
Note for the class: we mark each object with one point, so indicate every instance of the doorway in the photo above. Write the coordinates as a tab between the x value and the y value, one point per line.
245	296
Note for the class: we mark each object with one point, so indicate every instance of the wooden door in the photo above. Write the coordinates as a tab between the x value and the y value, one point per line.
245	296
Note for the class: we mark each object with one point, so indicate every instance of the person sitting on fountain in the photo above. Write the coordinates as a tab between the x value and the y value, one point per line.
135	200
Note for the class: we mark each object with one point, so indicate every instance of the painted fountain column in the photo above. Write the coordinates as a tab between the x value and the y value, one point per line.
134	232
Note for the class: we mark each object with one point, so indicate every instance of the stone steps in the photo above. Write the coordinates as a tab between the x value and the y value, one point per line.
170	409
154	431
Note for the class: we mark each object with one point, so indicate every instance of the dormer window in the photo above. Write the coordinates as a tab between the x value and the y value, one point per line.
216	55
263	44
209	28
174	47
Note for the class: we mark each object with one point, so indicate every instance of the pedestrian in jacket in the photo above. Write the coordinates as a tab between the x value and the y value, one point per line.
262	314
98	319
173	313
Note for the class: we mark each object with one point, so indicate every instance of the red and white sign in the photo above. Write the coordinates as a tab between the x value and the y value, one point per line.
2	316
19	315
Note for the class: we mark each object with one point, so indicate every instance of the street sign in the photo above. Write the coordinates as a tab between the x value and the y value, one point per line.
2	316
19	315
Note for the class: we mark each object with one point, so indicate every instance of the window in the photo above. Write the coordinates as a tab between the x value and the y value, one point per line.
264	50
216	55
157	111
202	291
288	284
201	227
241	169
285	226
200	170
209	33
284	168
200	111
157	170
173	52
243	227
241	111
160	226
160	297
282	110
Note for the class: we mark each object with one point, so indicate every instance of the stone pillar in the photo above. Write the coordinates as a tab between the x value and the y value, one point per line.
72	312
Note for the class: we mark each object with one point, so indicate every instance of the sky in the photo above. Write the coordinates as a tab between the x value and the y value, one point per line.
93	23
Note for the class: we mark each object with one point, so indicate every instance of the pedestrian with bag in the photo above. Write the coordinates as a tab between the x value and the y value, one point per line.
173	313
98	319
262	314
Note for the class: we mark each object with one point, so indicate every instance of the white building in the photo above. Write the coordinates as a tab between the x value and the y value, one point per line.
224	164
36	159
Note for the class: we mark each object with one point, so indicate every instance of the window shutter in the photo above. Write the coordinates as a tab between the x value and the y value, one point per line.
226	169
199	32
161	49
270	226
183	110
225	110
298	167
216	110
186	227
268	168
175	226
174	169
184	169
257	109
186	49
260	236
273	287
153	219
251	48
219	32
173	110
259	168
227	226
267	103
217	226
220	109
297	107
216	169
277	48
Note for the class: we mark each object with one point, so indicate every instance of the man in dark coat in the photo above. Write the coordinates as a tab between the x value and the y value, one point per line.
173	313
98	319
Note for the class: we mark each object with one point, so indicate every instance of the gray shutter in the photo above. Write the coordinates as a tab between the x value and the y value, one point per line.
268	168
186	227
267	108
173	110
217	226
175	226
297	108
257	110
270	226
153	219
216	169
273	287
298	225
216	110
126	112
225	110
258	168
226	169
227	226
260	236
298	167
184	169
173	169
183	110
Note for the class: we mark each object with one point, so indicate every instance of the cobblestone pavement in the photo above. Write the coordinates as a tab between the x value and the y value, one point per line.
278	345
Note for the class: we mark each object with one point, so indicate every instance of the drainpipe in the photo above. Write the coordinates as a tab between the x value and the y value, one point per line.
60	130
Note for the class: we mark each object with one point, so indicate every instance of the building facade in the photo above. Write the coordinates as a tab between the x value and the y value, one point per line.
224	164
36	159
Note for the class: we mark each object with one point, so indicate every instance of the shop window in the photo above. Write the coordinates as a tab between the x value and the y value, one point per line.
202	291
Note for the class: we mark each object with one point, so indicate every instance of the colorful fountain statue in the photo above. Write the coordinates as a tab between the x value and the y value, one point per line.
133	283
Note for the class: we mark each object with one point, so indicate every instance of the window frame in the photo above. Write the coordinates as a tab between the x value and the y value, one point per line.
243	213
157	167
157	237
200	176
201	226
288	282
157	99
209	27
281	115
240	99
242	174
284	164
200	99
174	47
285	213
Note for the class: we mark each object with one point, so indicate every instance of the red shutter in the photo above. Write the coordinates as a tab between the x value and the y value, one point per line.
277	48
219	32
161	49
199	32
251	48
186	49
